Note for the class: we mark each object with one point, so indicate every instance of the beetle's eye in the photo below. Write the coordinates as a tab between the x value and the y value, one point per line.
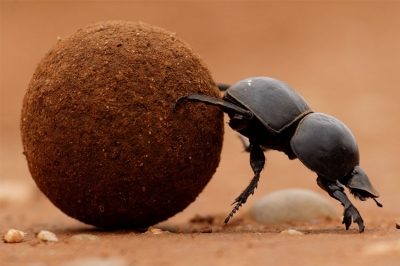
238	122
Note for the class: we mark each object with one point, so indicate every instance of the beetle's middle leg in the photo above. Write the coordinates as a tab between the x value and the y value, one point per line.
336	191
257	161
246	144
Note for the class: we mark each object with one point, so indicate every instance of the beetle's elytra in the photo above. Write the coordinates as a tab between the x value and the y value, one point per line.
274	116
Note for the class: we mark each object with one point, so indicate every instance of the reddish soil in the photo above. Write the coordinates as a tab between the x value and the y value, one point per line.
343	58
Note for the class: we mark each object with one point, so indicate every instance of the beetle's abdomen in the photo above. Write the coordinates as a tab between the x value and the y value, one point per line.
325	145
272	101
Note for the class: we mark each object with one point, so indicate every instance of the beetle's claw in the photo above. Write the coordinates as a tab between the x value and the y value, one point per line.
347	219
239	201
235	209
377	203
242	198
177	100
352	215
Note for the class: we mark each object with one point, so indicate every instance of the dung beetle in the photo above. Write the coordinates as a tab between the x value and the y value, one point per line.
274	116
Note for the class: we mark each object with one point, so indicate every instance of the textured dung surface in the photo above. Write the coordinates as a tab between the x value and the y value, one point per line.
100	136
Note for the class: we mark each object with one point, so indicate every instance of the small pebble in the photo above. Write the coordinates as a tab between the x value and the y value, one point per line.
156	231
85	237
398	225
291	232
47	236
14	236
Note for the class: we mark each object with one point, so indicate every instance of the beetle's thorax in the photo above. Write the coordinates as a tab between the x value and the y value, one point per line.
273	102
257	133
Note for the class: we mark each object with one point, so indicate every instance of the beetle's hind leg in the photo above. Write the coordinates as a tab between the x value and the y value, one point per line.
257	161
336	191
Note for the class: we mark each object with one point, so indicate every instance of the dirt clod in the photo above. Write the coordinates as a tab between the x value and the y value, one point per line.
209	219
205	230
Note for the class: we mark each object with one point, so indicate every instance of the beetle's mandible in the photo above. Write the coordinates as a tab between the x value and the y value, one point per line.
274	116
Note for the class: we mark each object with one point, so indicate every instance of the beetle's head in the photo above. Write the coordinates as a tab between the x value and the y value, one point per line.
239	115
238	122
359	185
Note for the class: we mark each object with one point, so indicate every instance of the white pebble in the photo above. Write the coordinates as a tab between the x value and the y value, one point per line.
14	236
291	205
47	236
156	231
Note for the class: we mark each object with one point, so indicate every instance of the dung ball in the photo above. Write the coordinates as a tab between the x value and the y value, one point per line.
99	132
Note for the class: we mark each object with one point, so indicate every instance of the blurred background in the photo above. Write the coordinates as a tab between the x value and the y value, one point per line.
342	57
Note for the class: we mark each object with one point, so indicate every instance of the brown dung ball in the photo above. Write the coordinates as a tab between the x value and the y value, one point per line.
99	132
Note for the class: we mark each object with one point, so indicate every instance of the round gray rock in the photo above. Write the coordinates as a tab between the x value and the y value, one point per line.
291	205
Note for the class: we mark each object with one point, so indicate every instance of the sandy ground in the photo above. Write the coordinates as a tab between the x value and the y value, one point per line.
343	58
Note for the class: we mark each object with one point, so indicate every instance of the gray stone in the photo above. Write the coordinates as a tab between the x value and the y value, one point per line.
291	205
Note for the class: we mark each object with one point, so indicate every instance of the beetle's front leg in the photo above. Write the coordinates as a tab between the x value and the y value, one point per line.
336	191
257	161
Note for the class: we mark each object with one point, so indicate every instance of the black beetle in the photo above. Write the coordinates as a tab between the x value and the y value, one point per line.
274	116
